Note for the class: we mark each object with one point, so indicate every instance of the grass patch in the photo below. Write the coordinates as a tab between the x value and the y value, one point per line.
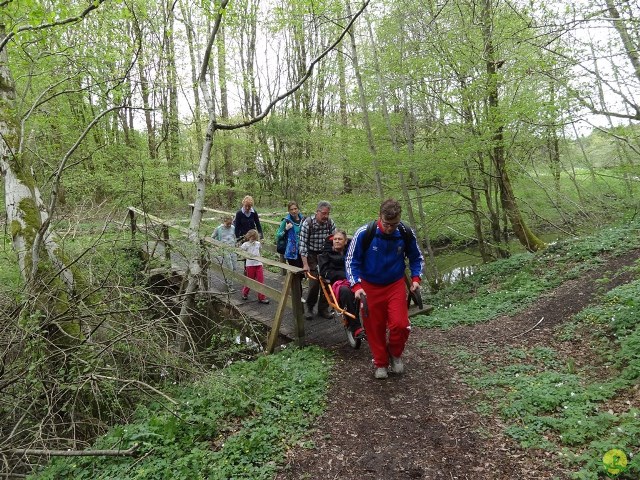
236	423
578	414
507	286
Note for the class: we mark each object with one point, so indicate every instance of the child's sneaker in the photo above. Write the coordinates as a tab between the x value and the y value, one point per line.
380	373
359	333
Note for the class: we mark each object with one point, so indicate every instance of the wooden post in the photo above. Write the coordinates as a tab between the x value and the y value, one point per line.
277	319
165	240
298	307
204	266
132	218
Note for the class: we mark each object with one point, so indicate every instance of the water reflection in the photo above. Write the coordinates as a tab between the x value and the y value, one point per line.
459	273
455	265
243	340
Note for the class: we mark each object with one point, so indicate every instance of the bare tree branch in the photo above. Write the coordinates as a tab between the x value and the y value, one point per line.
137	382
73	453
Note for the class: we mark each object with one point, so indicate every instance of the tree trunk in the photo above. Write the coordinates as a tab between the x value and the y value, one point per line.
507	197
52	283
365	109
383	94
631	49
185	336
227	162
347	179
194	62
145	94
474	195
173	125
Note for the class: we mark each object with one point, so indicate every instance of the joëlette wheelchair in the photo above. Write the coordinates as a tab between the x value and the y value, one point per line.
345	316
361	307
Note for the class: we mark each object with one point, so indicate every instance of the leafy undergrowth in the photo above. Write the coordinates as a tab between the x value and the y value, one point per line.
507	286
545	401
236	423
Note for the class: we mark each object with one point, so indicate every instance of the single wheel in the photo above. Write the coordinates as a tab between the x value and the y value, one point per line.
354	342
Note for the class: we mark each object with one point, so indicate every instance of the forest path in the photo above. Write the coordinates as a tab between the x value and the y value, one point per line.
423	424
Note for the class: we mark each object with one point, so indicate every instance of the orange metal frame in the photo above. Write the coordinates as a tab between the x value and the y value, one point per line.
327	291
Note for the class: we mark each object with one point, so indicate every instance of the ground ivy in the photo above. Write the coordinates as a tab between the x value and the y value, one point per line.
236	423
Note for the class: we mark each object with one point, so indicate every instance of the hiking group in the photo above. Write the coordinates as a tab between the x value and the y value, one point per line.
367	269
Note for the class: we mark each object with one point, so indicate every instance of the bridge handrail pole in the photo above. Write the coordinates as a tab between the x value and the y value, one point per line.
297	307
165	240
277	318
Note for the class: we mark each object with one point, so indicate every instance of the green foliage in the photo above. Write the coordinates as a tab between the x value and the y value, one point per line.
235	423
548	403
10	280
509	285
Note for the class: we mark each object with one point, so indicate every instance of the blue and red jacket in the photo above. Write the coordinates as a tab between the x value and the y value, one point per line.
384	261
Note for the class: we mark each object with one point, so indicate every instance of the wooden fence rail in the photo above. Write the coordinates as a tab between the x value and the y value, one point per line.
287	296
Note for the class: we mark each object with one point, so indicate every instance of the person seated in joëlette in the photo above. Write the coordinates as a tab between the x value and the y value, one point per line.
331	268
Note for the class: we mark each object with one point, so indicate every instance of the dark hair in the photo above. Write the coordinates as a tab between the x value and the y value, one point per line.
291	204
390	208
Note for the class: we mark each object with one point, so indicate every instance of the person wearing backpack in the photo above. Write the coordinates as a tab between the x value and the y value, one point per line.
288	237
375	266
313	233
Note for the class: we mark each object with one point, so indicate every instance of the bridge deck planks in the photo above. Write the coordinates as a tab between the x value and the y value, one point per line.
319	331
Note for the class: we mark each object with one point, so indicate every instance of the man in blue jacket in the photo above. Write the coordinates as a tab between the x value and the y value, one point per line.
375	265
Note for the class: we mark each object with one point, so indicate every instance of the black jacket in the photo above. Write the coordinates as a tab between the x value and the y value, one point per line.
243	224
331	263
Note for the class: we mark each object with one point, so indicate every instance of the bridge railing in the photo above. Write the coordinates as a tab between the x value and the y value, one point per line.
290	295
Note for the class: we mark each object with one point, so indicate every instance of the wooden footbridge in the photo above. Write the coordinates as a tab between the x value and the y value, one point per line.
283	316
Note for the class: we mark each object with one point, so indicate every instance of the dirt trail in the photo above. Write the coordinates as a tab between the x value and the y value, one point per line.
422	425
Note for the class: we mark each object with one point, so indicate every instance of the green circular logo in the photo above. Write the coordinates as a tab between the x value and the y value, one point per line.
615	461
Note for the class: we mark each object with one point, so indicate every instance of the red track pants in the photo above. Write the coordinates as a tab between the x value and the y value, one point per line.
387	311
256	272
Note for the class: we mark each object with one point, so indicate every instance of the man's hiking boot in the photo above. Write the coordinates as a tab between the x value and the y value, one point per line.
308	314
396	365
325	314
380	373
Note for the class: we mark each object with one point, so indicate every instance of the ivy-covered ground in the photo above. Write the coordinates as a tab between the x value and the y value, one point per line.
527	370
